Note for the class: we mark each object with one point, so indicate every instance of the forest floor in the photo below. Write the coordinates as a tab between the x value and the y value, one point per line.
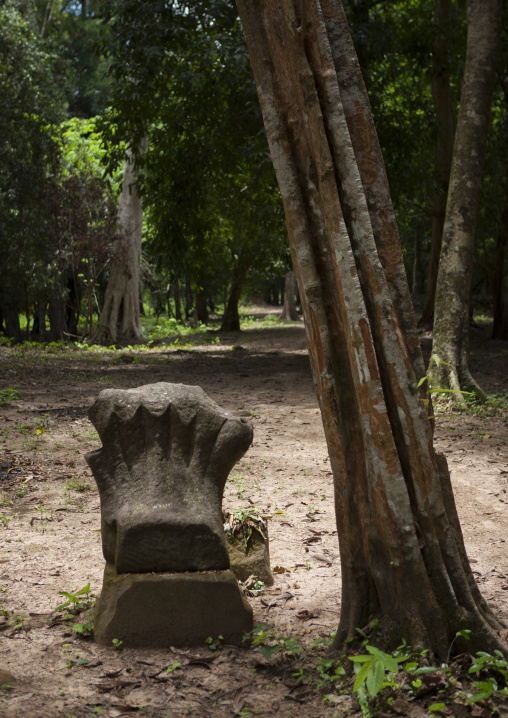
50	530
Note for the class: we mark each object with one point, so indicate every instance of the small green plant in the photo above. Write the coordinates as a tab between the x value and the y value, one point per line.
8	395
487	663
75	600
78	485
83	629
117	644
264	637
173	667
5	501
213	643
329	671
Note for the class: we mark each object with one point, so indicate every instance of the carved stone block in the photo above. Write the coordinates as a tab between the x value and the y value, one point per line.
171	609
167	451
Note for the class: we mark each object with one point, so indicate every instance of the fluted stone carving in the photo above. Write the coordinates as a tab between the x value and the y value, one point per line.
167	450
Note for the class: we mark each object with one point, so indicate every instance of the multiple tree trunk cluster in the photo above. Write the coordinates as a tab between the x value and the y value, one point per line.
404	565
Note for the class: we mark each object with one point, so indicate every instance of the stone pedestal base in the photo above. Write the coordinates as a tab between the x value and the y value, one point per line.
170	609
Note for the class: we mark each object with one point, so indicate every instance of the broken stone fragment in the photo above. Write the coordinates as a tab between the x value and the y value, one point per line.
167	450
249	548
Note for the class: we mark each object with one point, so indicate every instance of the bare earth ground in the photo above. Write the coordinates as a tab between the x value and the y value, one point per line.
50	538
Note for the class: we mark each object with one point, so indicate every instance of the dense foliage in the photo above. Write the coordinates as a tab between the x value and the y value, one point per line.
178	74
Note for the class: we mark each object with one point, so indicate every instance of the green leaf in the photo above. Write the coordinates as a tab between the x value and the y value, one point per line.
83	661
486	689
376	678
435	707
424	670
268	651
362	673
388	661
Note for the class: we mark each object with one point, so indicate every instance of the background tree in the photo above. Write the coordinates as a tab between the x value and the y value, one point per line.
31	109
453	292
120	320
445	22
404	564
181	75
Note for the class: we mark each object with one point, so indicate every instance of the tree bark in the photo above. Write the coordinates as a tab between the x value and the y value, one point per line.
120	322
289	313
56	315
453	291
231	318
402	554
445	133
500	327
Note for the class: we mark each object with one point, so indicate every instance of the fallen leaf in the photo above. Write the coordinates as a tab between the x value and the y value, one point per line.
305	614
127	707
238	701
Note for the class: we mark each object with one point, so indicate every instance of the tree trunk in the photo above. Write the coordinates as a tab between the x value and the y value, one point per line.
201	308
188	298
453	292
289	313
56	315
418	278
11	319
500	328
120	321
176	297
445	133
231	317
402	554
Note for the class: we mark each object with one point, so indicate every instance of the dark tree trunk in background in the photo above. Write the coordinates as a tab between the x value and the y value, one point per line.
453	291
289	313
445	134
500	328
201	307
188	298
56	315
11	320
176	297
418	278
231	317
41	320
403	559
120	320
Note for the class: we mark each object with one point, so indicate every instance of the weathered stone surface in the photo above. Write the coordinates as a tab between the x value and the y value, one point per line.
250	556
167	451
6	678
159	610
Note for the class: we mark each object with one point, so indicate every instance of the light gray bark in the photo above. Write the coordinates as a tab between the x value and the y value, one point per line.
120	321
453	292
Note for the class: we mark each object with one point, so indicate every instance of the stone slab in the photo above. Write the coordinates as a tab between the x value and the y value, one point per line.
171	609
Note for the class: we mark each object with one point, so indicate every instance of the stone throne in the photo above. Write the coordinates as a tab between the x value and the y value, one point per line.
167	450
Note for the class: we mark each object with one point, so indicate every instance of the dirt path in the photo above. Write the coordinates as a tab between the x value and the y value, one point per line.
50	538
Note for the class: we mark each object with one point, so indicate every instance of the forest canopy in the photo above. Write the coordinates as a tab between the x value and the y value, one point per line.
178	76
